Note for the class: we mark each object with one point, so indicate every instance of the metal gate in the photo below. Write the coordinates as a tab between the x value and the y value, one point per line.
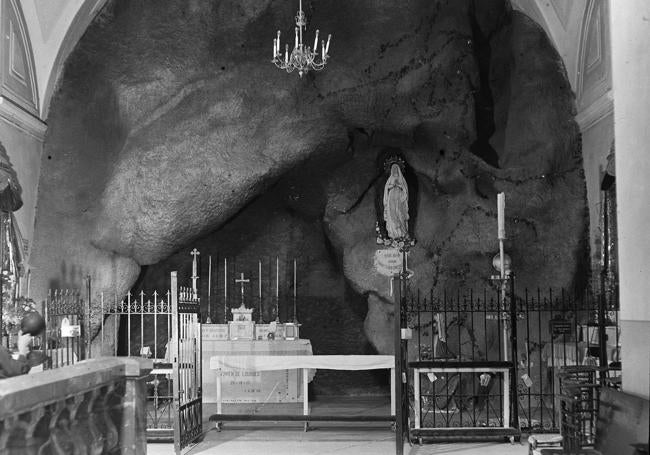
66	336
472	331
186	365
148	334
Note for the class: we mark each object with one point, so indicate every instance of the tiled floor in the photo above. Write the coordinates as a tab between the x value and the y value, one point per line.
268	438
343	441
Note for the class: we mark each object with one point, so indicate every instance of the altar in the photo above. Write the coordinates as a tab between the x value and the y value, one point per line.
281	386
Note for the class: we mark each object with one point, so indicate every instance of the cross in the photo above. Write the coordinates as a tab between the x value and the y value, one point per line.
194	253
242	280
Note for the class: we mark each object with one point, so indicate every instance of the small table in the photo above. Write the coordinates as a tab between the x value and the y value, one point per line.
304	362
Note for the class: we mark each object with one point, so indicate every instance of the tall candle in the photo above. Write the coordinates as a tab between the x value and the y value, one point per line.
296	43
501	207
209	274
225	280
316	42
294	278
327	46
277	277
260	280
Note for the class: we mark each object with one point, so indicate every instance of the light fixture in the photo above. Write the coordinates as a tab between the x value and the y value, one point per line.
301	59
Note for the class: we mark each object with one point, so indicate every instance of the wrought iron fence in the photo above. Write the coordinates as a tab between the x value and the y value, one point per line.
67	317
145	322
554	330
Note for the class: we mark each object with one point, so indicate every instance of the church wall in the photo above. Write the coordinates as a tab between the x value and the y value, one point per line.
24	151
631	66
596	145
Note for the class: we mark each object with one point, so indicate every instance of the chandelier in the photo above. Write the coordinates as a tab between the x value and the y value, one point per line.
301	59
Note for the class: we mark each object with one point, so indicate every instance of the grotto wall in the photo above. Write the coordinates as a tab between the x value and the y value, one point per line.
170	123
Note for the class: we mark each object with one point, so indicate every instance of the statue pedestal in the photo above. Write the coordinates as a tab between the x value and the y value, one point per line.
242	326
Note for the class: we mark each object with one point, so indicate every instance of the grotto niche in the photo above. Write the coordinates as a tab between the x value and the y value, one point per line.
172	130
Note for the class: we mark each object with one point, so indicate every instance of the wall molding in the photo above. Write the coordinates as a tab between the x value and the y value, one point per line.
602	107
17	117
17	59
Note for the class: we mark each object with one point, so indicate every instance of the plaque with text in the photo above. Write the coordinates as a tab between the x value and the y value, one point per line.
214	331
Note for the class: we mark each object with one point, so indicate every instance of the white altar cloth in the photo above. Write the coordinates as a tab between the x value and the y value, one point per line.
256	363
288	362
241	386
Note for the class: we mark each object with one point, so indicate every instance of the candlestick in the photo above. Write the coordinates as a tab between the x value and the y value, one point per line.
316	42
260	278
29	280
295	281
208	319
277	289
501	207
209	274
259	316
225	290
327	46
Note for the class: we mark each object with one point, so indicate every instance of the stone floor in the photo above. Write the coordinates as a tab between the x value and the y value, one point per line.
268	438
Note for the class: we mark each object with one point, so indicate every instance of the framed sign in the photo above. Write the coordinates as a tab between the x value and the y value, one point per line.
241	330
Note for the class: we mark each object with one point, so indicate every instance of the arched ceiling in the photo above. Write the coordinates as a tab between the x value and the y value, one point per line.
574	27
562	21
54	28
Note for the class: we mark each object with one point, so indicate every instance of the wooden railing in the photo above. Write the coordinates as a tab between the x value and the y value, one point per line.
95	406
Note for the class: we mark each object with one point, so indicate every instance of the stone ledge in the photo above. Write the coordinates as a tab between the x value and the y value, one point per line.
23	393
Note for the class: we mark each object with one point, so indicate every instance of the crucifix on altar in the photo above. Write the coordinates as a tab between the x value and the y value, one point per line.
195	275
242	281
242	326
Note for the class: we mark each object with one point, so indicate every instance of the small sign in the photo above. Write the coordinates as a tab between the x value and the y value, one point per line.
241	330
388	261
292	331
69	330
527	380
216	332
560	327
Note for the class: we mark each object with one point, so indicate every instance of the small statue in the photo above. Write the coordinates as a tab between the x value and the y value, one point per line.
394	216
396	204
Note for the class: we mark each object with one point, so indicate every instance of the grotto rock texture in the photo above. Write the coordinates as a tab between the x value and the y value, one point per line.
283	224
170	120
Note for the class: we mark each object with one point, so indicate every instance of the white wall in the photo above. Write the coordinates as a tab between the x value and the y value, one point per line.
630	28
24	151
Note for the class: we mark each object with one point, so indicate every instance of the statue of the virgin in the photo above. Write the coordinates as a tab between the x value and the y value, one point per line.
396	204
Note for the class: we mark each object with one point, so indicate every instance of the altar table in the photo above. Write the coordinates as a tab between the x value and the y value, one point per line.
259	363
278	386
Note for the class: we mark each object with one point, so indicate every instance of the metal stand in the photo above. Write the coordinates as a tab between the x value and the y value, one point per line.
401	380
